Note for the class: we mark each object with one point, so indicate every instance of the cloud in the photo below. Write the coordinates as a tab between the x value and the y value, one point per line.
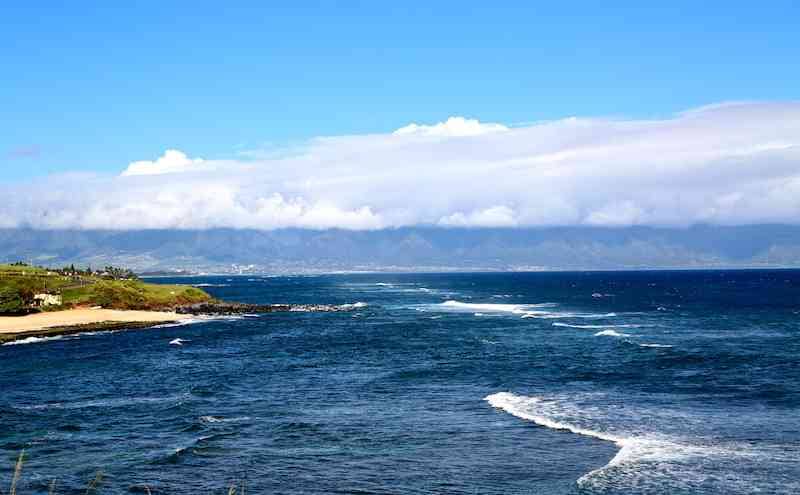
496	216
454	127
728	164
172	161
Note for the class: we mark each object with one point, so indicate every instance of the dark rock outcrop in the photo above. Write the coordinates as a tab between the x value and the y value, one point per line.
233	308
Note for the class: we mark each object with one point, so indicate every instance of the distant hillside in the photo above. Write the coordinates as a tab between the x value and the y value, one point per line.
292	250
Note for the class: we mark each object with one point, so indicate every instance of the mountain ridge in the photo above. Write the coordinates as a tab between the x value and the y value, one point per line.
410	248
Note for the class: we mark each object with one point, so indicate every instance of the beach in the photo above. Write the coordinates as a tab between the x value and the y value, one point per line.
63	321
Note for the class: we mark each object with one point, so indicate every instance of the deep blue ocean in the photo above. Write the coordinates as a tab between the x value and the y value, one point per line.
681	382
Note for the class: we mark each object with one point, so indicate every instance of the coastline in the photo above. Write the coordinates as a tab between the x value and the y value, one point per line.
73	321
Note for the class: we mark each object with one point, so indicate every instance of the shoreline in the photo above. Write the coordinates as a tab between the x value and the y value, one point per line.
74	321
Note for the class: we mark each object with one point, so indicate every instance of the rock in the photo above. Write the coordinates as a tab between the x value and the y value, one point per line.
232	308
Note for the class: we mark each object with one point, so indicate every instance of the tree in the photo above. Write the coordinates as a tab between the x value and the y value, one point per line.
11	301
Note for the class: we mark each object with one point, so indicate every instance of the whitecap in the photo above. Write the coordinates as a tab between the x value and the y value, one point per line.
34	340
656	345
610	333
538	310
592	327
178	341
181	323
221	419
353	306
663	456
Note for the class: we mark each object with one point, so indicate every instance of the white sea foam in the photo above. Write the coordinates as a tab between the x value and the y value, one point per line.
178	341
597	327
187	321
643	459
540	310
220	419
610	333
211	285
34	340
353	305
655	345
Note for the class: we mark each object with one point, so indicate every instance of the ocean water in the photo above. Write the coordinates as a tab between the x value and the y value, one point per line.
537	383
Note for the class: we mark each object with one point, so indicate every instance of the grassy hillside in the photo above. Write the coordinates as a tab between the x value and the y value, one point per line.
18	285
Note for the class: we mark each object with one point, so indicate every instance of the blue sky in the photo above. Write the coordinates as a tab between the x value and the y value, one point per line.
95	86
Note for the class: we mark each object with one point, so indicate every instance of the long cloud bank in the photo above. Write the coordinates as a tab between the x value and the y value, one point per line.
731	164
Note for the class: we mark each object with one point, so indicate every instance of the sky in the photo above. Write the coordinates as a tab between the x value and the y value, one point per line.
266	115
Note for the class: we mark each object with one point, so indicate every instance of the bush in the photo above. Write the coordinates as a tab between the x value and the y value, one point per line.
12	301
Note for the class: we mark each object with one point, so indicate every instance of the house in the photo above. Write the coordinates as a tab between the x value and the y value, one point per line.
40	300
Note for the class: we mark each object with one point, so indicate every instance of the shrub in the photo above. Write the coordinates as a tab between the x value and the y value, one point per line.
11	301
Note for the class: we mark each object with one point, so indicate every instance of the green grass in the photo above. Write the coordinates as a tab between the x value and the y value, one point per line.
95	291
132	294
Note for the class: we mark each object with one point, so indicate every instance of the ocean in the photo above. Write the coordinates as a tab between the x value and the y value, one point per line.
668	382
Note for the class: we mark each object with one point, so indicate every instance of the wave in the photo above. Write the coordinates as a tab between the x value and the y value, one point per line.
523	310
597	327
676	460
491	307
353	305
634	450
610	333
211	285
221	419
662	346
526	408
181	323
34	340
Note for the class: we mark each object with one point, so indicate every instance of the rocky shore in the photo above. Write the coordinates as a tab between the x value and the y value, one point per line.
232	308
72	321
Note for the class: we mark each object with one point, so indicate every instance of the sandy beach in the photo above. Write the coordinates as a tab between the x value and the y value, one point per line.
76	317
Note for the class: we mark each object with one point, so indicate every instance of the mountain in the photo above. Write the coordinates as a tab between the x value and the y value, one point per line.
413	248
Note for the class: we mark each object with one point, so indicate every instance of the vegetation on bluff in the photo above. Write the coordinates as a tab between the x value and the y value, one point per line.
111	288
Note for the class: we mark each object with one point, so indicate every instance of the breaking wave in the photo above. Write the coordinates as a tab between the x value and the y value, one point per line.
610	333
597	327
539	310
34	340
646	461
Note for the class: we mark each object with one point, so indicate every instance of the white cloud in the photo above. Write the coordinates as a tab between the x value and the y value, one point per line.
452	127
172	161
496	216
722	164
